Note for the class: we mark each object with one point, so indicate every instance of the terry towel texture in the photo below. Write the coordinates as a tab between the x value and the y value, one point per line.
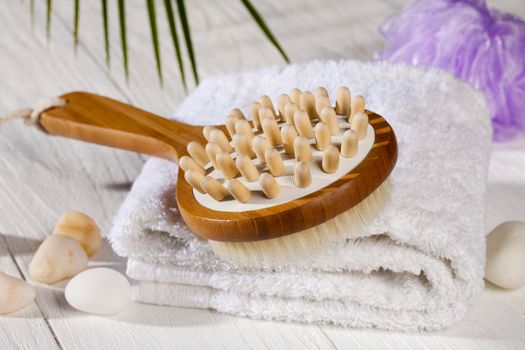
418	265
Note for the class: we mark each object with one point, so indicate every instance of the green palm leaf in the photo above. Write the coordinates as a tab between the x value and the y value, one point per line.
266	30
48	18
155	37
175	40
75	24
32	12
152	15
187	38
105	24
123	38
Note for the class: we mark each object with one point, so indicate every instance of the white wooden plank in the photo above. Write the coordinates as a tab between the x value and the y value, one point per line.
25	328
147	326
495	322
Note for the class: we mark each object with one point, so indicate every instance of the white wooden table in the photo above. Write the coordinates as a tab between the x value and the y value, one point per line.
41	177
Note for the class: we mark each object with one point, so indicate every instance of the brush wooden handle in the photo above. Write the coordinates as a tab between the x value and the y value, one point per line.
97	119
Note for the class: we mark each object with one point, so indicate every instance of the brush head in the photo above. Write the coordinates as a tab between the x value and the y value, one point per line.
291	172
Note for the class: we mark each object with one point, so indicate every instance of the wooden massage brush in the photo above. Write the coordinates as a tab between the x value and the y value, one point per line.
293	179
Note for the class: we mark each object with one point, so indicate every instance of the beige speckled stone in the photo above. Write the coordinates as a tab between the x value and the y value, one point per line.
15	293
58	257
82	228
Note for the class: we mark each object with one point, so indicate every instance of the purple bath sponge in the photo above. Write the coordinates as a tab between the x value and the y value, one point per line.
479	45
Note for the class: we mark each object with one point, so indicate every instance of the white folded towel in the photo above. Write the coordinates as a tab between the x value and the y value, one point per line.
421	261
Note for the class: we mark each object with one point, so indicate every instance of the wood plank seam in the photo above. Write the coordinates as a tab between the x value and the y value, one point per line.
15	262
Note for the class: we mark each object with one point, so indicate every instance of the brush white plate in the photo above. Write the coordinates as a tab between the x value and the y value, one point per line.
289	191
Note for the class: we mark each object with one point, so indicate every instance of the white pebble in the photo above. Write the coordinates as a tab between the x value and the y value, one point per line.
506	255
99	290
15	293
58	257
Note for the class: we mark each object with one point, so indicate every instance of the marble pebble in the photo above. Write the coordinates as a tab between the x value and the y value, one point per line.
506	255
99	290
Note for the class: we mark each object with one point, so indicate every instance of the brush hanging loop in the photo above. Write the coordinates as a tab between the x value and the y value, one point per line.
31	116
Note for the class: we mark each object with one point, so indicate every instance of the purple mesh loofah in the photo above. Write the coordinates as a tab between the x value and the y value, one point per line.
477	44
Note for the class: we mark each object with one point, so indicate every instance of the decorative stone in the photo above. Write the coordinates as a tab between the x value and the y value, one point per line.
99	291
57	258
80	227
15	293
506	255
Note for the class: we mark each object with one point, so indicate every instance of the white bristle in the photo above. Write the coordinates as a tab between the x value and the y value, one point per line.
305	244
